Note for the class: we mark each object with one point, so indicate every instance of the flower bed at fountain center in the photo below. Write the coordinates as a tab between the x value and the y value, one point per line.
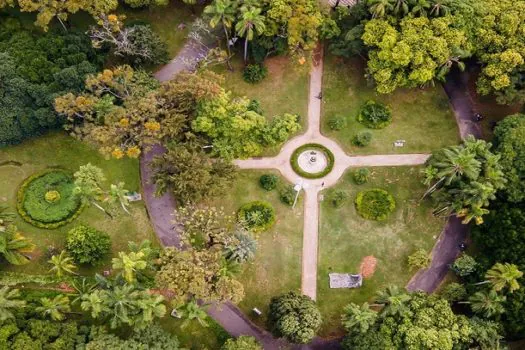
312	161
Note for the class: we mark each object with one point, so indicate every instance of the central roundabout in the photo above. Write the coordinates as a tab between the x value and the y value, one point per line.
312	161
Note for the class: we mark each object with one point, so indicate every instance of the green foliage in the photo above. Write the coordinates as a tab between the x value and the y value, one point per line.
338	198
153	337
35	67
358	319
8	278
87	245
287	195
62	264
454	292
34	206
337	123
489	304
312	146
294	317
375	204
508	139
464	265
348	42
514	318
420	259
258	215
269	181
254	73
144	39
361	176
375	115
243	248
14	246
55	308
362	139
463	179
243	342
9	301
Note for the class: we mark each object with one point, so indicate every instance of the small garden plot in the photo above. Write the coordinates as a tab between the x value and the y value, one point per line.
420	117
349	243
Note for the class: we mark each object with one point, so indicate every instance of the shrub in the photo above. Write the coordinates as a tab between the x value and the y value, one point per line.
362	139
269	181
258	215
87	245
242	343
464	265
337	123
287	195
254	73
375	115
47	199
242	249
255	106
420	259
361	176
338	198
144	39
454	292
312	146
375	204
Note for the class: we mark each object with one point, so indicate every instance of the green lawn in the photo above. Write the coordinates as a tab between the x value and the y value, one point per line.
345	238
277	266
421	117
60	150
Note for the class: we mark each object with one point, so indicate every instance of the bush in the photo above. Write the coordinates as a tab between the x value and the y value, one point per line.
87	245
375	115
269	182
254	73
312	146
242	343
420	259
362	139
255	106
464	265
338	198
361	176
287	195
47	200
454	292
258	215
375	204
145	39
337	123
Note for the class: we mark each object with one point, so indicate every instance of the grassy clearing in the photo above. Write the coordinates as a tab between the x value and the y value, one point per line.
194	336
58	150
345	239
277	266
422	117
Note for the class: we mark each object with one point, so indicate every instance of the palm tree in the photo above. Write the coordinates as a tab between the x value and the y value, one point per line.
393	300
251	22
401	7
81	289
94	302
501	276
487	304
379	8
130	264
54	308
455	59
420	7
9	300
13	246
440	8
192	311
62	264
358	318
223	12
118	194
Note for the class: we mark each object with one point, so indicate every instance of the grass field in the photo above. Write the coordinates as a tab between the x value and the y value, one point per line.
277	266
346	238
421	117
62	151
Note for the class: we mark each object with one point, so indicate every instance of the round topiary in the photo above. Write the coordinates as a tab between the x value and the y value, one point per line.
47	199
362	139
254	73
87	245
257	216
375	115
375	204
268	182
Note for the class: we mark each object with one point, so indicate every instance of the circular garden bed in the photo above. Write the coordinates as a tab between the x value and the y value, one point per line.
312	161
375	204
257	216
47	200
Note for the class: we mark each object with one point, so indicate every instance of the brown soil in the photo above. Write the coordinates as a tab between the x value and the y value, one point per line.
368	266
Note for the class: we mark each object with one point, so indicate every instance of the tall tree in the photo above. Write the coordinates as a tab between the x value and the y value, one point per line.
62	264
10	301
489	304
14	246
358	319
503	276
223	12
55	308
394	301
250	22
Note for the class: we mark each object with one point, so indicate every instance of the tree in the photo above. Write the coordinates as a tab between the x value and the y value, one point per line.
191	311
486	334
223	12
488	304
190	173
379	8
295	317
411	53
464	265
508	136
62	264
242	342
182	272
87	245
503	276
14	246
440	8
513	320
54	308
358	319
251	22
454	292
130	264
152	337
242	248
420	259
9	301
393	300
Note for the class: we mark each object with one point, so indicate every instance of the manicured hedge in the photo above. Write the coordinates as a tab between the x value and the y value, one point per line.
312	146
375	204
33	206
258	215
